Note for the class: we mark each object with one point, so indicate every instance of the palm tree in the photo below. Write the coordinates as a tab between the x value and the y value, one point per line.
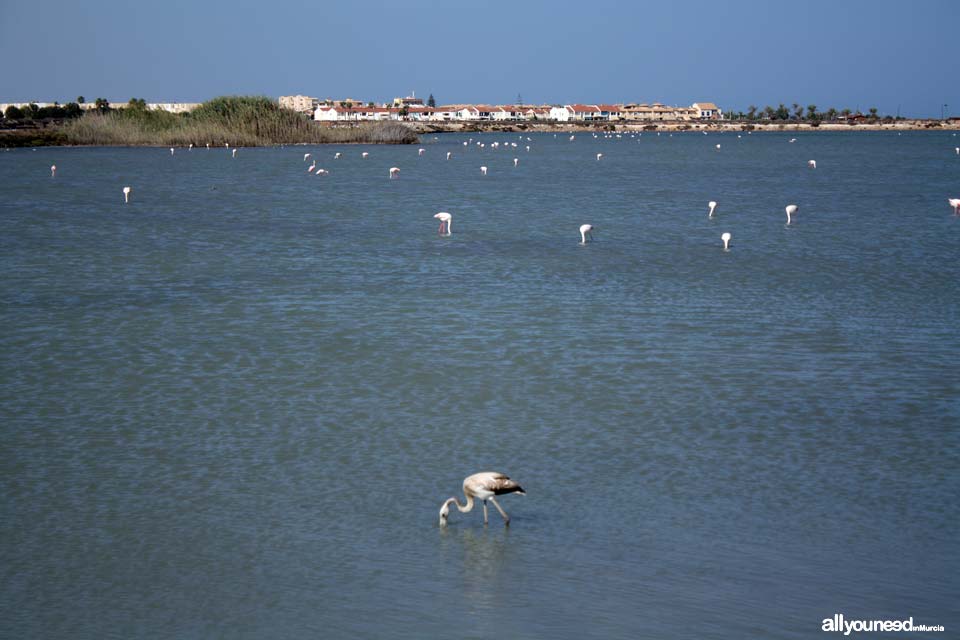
812	112
831	114
873	112
797	111
768	112
751	112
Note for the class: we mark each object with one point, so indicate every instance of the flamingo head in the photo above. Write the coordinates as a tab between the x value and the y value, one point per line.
444	512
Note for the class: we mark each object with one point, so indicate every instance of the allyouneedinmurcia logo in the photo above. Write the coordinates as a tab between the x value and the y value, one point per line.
839	624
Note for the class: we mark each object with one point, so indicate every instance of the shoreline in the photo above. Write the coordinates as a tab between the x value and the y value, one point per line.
679	126
52	136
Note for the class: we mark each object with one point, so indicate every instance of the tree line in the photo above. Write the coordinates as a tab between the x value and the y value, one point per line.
63	111
798	113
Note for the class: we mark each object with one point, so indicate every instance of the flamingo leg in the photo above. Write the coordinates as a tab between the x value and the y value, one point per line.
506	518
485	511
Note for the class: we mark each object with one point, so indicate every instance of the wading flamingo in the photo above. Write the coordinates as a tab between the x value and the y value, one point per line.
483	170
336	156
53	171
394	172
726	240
516	161
586	231
364	154
791	211
305	156
171	150
449	154
955	203
812	164
420	152
482	486
445	220
126	194
322	172
713	207
599	155
233	153
312	167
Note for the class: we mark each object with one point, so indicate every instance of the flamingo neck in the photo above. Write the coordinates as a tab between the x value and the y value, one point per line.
463	508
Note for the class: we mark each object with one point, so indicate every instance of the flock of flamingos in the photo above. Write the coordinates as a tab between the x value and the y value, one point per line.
486	485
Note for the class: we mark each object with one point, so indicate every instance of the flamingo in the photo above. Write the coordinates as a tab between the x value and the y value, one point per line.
793	139
126	194
599	155
394	172
955	203
713	206
233	154
445	220
171	150
336	156
516	161
420	152
718	147
208	146
812	164
586	230
191	146
483	486
449	154
726	240
528	147
571	138
312	167
322	172
483	170
364	154
791	211
305	156
53	171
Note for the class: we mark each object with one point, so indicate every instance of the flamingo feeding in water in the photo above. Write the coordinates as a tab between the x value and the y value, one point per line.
599	155
336	156
53	171
726	240
586	231
713	207
812	164
449	154
394	172
305	156
482	486
516	161
791	211
955	203
420	152
312	167
126	194
171	150
233	153
445	220
483	170
364	154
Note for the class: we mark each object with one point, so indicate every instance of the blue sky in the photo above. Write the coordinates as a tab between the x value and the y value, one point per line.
880	54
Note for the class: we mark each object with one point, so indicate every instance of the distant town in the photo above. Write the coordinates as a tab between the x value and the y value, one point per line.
413	109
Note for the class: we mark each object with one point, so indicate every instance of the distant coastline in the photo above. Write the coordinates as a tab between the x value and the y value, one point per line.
716	126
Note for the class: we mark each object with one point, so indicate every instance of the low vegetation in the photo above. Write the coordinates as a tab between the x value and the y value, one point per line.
234	121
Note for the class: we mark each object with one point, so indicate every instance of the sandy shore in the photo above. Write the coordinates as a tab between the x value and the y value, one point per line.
901	125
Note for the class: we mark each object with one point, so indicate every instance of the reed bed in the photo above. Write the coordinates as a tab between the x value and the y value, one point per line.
234	121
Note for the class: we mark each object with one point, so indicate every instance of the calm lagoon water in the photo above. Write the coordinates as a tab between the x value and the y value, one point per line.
233	407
